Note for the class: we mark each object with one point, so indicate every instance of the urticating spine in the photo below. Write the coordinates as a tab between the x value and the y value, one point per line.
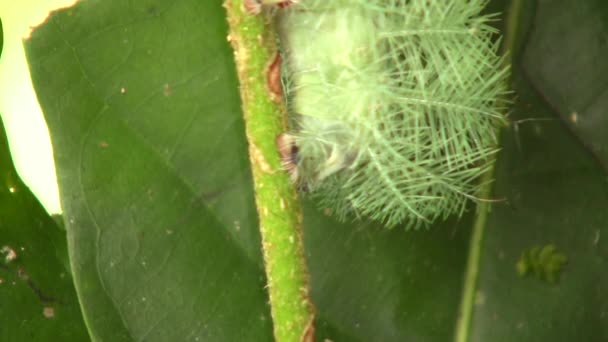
394	104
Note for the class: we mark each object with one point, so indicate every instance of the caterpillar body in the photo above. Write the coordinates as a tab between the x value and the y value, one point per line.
394	105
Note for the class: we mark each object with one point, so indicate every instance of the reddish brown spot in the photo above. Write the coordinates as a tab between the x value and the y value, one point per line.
255	6
273	78
285	3
252	6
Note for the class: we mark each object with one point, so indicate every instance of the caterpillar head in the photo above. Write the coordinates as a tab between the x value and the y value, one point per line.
288	151
309	160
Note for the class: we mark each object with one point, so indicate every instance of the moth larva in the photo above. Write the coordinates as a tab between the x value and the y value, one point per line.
394	104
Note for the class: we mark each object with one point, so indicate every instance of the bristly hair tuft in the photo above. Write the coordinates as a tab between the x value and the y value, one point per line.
395	104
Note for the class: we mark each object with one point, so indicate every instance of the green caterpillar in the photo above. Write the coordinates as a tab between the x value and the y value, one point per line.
395	105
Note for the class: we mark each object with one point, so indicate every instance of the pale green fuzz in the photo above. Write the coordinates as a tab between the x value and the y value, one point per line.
395	104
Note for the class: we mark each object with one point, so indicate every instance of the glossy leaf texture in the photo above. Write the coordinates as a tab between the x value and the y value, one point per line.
37	297
142	104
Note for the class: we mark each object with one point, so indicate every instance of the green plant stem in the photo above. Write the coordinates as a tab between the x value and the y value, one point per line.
465	314
277	202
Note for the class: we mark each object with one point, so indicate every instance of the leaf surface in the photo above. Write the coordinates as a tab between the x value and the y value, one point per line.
141	102
550	176
37	297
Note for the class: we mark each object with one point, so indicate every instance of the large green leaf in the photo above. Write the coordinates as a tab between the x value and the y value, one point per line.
372	284
142	104
565	60
37	297
555	190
